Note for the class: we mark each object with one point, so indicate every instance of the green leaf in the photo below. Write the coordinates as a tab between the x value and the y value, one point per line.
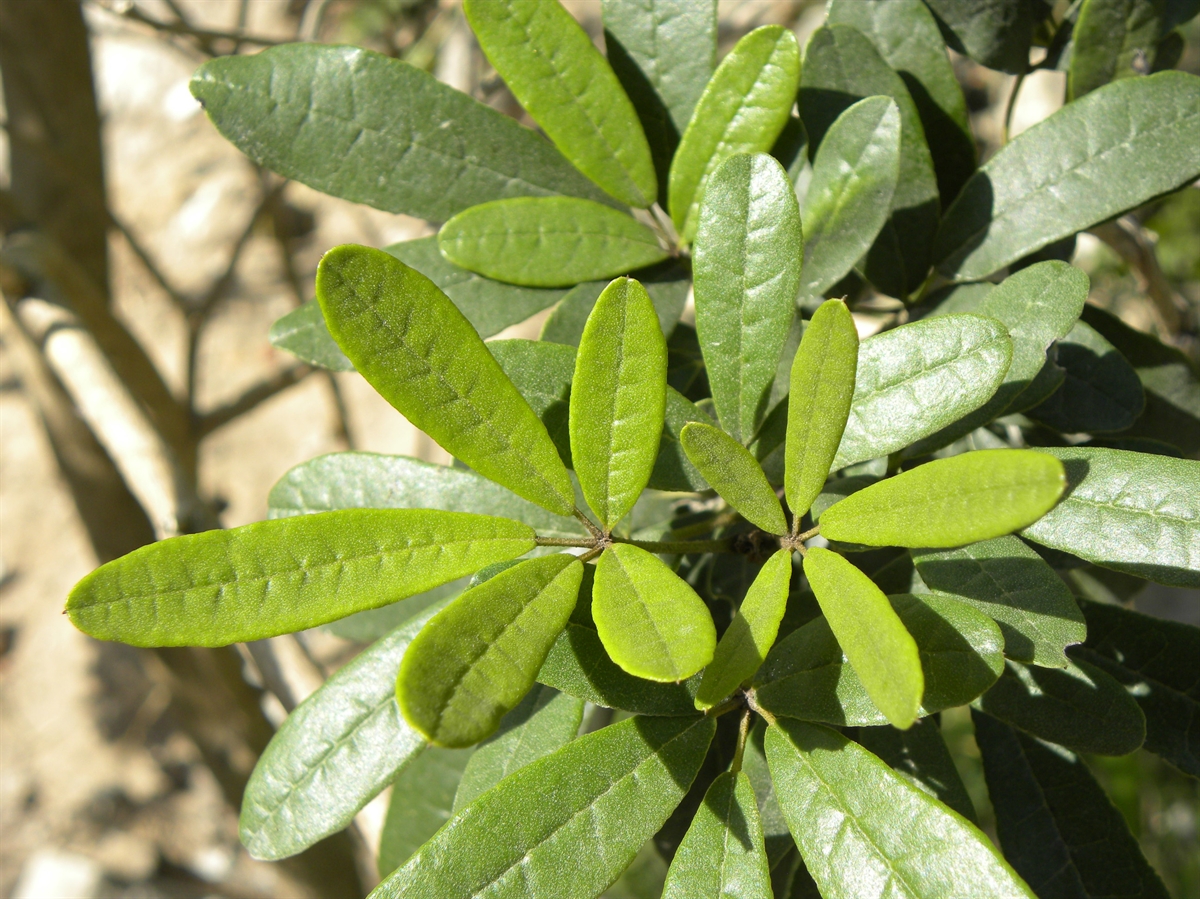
849	198
480	655
1111	37
791	148
841	66
548	241
742	110
871	634
1128	511
415	348
643	878
571	822
334	753
1057	827
1155	661
722	853
866	831
327	116
734	474
822	386
1118	147
668	285
950	502
750	635
567	86
1013	585
302	333
746	259
276	577
907	37
781	850
421	802
915	380
1101	392
651	622
673	470
618	400
545	720
1079	707
806	675
997	33
921	757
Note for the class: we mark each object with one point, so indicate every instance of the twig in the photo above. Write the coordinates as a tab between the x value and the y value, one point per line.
1131	242
222	415
204	36
1011	107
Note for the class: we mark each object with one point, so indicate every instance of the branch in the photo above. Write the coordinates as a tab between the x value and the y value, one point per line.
1134	245
222	415
204	36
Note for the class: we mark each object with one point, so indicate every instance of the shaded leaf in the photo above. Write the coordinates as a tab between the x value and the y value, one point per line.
668	285
1120	39
302	332
791	147
921	756
421	802
673	470
782	856
997	33
733	473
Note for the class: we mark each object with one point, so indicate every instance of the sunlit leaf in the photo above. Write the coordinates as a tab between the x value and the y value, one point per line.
921	756
731	470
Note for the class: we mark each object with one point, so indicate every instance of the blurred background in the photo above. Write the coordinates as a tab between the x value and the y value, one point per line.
143	262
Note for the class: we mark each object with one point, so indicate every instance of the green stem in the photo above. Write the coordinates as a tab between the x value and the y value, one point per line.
584	542
743	733
681	547
1012	105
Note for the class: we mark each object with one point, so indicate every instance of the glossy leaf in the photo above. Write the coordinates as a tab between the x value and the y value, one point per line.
1084	164
415	348
722	853
544	721
866	831
950	502
806	675
302	332
652	623
567	86
334	753
997	33
1128	511
907	37
276	577
326	116
618	400
571	821
1110	37
871	634
1057	827
1013	585
841	66
742	110
1079	707
421	802
921	757
822	386
731	470
479	656
548	242
849	198
751	634
668	286
746	259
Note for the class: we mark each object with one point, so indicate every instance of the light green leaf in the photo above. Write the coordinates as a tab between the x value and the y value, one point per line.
746	259
997	33
734	474
668	285
722	853
334	753
1116	148
618	400
276	577
567	86
1128	511
421	802
806	675
921	757
571	821
742	110
673	470
750	635
1013	585
414	347
652	623
871	634
545	720
1110	37
1079	707
907	37
327	116
822	386
302	333
849	198
866	831
841	66
548	242
950	502
480	655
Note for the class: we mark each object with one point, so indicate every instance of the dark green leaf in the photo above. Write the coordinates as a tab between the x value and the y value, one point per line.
673	470
747	257
791	148
570	822
668	285
414	347
328	117
997	33
782	857
276	577
302	333
1120	39
734	474
866	831
1095	158
421	802
1056	826
921	757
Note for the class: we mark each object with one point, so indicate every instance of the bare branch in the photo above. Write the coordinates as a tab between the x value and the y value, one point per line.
222	415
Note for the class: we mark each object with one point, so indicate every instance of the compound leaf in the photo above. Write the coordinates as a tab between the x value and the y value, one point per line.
731	470
302	332
921	757
421	802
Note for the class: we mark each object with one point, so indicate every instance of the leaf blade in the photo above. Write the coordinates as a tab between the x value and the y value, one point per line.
420	804
733	473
